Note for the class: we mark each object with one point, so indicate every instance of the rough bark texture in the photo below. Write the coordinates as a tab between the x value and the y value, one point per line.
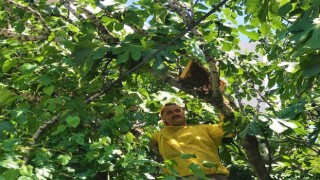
250	145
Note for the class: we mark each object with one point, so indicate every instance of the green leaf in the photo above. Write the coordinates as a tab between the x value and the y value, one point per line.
196	50
118	26
160	67
201	6
60	129
135	52
6	126
46	80
25	178
64	159
264	29
119	109
99	53
9	145
280	125
8	65
11	174
283	10
91	155
314	41
188	156
122	58
26	170
20	27
73	28
9	163
48	90
263	12
310	65
251	34
28	68
73	121
79	138
119	49
210	164
124	127
315	3
197	171
82	56
133	99
303	23
106	20
253	5
254	128
7	97
226	46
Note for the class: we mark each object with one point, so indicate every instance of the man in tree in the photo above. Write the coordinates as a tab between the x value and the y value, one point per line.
189	147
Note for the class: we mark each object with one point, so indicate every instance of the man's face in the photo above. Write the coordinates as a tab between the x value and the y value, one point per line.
173	115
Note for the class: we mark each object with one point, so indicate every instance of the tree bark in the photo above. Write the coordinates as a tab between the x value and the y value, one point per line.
250	145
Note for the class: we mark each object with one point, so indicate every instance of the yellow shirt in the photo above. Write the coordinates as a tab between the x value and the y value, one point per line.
201	140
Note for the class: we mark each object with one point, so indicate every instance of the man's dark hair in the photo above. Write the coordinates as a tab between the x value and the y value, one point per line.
166	105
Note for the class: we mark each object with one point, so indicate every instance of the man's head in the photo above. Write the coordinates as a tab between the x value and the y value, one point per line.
173	115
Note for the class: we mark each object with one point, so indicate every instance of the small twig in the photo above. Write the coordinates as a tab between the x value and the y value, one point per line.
34	12
258	92
195	3
102	30
23	37
36	135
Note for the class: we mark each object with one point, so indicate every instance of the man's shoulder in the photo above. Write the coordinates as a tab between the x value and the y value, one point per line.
205	125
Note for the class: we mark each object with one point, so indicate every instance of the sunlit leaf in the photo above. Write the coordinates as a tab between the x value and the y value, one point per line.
8	65
280	125
48	90
9	163
64	159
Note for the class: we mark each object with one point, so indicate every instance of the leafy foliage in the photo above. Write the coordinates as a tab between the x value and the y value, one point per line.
96	137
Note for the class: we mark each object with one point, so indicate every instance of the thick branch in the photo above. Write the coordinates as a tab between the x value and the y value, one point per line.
250	142
102	30
250	145
23	37
217	97
185	12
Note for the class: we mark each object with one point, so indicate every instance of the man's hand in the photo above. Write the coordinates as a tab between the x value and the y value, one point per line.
154	150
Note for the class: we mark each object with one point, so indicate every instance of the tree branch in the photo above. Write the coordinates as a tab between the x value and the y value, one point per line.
23	37
32	11
250	145
36	135
102	30
250	142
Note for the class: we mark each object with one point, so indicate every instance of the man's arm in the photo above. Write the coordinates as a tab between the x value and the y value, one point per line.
154	150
